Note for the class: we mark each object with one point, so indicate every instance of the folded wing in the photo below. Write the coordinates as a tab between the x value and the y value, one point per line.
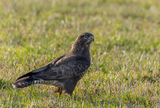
64	69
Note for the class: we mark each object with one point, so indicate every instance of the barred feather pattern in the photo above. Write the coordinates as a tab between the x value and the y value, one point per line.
48	82
21	84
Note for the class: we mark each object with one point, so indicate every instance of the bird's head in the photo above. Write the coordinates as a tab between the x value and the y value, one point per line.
85	39
82	43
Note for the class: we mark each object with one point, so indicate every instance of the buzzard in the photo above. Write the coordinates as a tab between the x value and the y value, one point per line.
63	72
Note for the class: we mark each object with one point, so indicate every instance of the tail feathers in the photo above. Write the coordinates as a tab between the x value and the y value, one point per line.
30	74
23	82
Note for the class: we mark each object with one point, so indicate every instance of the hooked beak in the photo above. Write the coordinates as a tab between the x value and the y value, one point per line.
91	38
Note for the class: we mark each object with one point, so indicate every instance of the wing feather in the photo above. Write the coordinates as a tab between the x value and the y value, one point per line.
42	69
67	68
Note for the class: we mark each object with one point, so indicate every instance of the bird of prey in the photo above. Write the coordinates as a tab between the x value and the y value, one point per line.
63	72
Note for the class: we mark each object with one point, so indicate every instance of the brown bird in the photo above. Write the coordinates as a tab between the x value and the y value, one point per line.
65	71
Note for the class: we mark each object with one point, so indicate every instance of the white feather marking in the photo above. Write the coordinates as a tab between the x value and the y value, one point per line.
13	86
54	82
37	81
51	82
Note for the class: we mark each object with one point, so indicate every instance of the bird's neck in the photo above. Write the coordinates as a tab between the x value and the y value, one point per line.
81	50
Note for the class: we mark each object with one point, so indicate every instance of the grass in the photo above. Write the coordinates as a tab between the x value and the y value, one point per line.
125	70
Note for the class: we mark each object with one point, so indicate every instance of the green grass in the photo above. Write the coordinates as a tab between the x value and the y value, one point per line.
125	70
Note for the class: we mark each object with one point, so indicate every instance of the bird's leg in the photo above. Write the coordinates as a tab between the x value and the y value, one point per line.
70	96
59	95
60	92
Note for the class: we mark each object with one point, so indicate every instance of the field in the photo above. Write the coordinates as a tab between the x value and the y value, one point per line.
125	69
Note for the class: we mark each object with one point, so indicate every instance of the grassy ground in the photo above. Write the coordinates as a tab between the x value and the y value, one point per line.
125	70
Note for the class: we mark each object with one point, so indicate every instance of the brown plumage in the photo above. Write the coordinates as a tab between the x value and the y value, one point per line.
63	72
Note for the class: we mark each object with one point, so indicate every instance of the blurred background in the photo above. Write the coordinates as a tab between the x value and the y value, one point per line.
125	55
